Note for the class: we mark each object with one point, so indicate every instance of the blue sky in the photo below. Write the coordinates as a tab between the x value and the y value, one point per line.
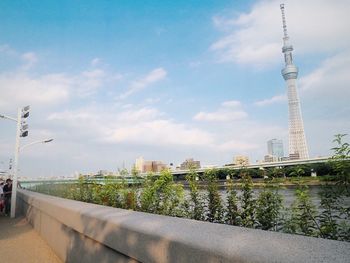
167	80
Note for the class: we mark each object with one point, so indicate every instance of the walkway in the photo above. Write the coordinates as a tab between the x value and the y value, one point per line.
20	243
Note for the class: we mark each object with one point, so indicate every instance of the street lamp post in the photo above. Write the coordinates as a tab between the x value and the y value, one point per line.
22	131
15	172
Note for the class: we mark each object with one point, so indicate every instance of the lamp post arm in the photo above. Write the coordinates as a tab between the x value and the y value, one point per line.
36	142
8	117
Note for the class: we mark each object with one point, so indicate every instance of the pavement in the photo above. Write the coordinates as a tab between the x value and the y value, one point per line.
19	243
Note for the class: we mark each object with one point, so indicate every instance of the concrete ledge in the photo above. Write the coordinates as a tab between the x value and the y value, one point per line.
82	232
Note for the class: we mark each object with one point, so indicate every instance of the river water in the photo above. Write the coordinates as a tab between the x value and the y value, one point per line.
287	193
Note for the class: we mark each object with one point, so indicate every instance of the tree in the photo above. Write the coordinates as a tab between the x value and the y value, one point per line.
196	204
269	204
247	201
162	195
340	161
297	171
232	216
303	214
215	208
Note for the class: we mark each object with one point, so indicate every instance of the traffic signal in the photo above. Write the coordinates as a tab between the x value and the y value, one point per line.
24	125
25	112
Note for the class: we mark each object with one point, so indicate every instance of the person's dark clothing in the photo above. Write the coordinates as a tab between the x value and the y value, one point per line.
7	190
7	194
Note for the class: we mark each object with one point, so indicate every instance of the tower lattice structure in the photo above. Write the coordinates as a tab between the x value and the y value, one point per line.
297	140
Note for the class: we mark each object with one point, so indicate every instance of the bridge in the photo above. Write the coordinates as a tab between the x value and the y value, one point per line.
257	165
177	173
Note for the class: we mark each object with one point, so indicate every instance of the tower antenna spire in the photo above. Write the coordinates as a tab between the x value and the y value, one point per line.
285	33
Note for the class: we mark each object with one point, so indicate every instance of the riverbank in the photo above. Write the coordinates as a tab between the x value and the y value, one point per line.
280	182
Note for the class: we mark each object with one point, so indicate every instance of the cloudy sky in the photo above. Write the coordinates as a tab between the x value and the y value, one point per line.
167	80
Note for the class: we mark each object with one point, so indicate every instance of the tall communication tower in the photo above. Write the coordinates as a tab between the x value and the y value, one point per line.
297	141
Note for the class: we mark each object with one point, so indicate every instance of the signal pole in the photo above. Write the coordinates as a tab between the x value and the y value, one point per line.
15	165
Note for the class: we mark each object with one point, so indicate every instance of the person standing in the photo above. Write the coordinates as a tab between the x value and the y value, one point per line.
7	195
2	205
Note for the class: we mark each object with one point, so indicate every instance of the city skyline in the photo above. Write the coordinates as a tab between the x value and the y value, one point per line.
167	81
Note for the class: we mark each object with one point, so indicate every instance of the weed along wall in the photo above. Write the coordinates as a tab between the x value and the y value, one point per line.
82	232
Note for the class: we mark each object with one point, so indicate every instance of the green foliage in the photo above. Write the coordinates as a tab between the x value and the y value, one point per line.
195	206
276	172
247	201
329	216
303	215
131	193
109	194
297	171
232	216
215	208
269	204
340	162
162	195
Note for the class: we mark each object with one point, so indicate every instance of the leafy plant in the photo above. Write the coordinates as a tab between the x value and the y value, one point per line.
162	195
232	216
215	208
247	201
196	204
269	204
340	161
303	215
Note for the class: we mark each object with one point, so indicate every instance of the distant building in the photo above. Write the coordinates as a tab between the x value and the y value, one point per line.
139	164
149	166
190	163
241	160
275	148
271	158
294	156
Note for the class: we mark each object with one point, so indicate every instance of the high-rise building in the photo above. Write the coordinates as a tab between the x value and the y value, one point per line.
275	148
297	140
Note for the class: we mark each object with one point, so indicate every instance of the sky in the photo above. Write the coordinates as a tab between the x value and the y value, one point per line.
111	81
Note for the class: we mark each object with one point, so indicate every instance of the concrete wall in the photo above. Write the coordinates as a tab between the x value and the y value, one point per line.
81	232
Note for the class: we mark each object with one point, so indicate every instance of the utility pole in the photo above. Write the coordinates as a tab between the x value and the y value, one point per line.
15	165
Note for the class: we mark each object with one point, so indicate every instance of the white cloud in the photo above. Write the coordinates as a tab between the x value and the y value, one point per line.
138	115
237	146
273	100
161	132
7	50
138	126
30	59
154	76
95	62
330	80
89	81
255	37
21	88
228	111
232	104
18	89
